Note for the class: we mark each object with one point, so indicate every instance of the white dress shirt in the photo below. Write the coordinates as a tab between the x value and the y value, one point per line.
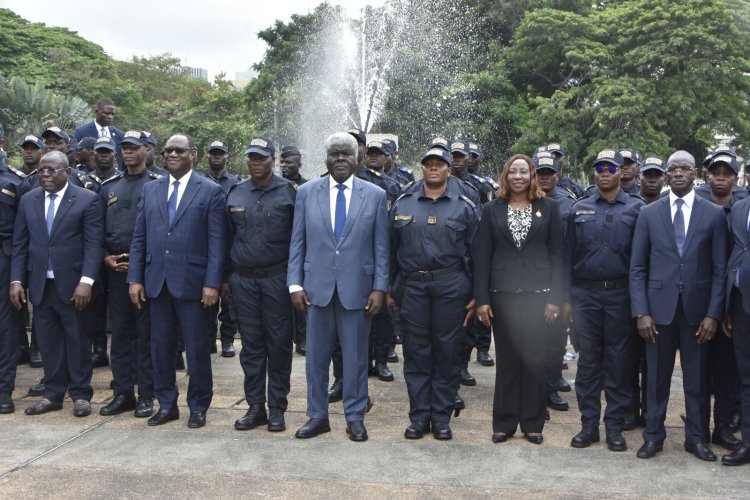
687	207
103	130
180	189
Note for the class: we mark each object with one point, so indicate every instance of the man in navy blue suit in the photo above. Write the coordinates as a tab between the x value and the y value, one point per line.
58	247
177	262
101	126
338	271
677	295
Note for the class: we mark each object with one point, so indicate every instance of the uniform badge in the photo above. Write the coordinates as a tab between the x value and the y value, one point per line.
236	209
9	193
112	199
431	219
402	217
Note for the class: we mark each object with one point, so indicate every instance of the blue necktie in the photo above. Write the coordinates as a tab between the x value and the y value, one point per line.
340	219
172	202
679	226
50	220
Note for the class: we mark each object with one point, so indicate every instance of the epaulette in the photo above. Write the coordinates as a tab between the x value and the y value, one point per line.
467	183
479	178
401	196
375	172
467	200
406	170
241	182
154	175
585	196
16	171
408	185
570	193
93	176
110	179
82	178
494	184
294	185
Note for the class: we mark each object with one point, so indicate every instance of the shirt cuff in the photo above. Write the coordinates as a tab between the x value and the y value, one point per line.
295	288
86	280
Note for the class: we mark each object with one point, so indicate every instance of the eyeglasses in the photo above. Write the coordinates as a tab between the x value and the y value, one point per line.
679	170
50	170
612	169
179	151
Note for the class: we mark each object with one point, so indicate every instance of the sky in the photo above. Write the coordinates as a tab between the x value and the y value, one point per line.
217	35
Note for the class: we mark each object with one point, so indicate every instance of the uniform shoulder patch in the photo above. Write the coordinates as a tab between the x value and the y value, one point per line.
467	200
17	172
154	175
93	176
113	178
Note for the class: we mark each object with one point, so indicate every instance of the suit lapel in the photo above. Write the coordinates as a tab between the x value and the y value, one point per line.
666	217
191	190
536	220
162	202
39	209
696	215
65	204
355	204
502	219
324	203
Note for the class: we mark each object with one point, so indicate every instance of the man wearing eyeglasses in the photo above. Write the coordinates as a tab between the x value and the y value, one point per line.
57	252
677	294
177	263
599	233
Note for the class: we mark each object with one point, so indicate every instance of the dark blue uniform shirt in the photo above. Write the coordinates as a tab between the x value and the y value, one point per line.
226	181
121	195
12	187
388	184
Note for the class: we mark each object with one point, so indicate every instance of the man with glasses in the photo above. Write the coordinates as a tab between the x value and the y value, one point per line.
599	233
177	263
677	295
57	252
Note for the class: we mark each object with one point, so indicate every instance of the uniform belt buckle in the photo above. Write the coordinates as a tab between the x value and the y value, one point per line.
425	275
608	284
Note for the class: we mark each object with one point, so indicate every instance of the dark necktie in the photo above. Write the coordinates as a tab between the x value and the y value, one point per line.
172	202
679	226
50	221
340	218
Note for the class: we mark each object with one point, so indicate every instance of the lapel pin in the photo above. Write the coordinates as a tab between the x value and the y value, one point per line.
538	213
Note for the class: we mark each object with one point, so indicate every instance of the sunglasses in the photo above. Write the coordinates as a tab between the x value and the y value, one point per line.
179	151
612	169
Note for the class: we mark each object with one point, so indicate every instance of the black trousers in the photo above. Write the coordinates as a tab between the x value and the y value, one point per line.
522	338
555	353
476	335
723	378
8	331
219	317
381	336
741	341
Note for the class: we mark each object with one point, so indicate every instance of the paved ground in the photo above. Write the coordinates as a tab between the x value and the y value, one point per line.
59	456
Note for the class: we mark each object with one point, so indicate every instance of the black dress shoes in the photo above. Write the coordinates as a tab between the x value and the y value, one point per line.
163	416
500	437
81	408
442	431
369	405
615	441
254	417
37	389
356	430
563	385
35	357
701	450
336	392
301	349
392	356
197	419
99	357
6	403
740	456
417	429
227	349
555	402
312	428
276	421
534	438
649	449
384	374
723	436
121	404
484	358
584	438
144	408
43	406
458	405
466	378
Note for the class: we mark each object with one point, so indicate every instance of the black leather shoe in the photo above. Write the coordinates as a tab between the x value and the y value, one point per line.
555	402
484	358
384	374
312	428
43	406
701	450
163	416
534	438
37	390
585	437
356	431
392	356
121	403
649	449
563	385
740	456
276	421
6	403
369	405
630	422
81	408
197	419
724	438
227	350
35	357
417	429
254	417
301	349
144	408
179	363
615	441
442	431
466	377
500	437
336	392
99	357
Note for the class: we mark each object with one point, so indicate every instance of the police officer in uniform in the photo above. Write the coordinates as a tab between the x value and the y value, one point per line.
131	326
85	155
261	211
151	154
433	232
461	160
565	182
652	179
218	155
599	234
403	175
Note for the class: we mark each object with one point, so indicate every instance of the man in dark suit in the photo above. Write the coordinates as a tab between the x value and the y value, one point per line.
177	261
57	253
677	295
737	321
338	270
101	126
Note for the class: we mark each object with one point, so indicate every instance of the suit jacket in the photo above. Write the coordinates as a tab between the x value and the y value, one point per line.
739	257
355	266
91	130
190	253
657	272
76	245
538	265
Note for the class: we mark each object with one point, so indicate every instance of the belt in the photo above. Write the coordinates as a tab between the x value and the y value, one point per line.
261	272
603	285
432	275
